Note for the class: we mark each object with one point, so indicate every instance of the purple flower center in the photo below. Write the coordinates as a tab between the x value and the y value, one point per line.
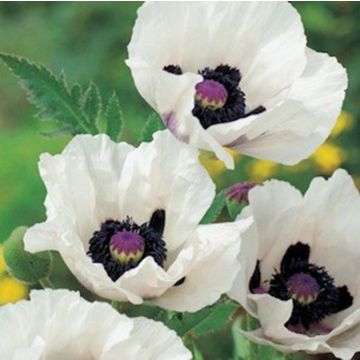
303	288
126	247
211	94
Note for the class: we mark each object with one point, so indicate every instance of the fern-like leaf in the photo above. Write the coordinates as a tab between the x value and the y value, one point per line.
49	94
152	124
113	118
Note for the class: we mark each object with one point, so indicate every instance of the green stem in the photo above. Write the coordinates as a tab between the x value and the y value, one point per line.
46	283
116	305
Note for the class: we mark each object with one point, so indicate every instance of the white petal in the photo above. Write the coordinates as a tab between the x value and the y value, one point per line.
196	35
165	174
154	342
81	188
61	325
214	270
321	88
248	256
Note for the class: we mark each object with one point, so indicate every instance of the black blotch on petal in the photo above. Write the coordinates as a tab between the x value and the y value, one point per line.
180	282
298	253
255	278
173	69
345	299
157	221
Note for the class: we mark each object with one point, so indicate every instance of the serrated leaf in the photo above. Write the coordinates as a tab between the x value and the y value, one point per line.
56	133
215	209
113	118
152	124
92	104
48	93
76	94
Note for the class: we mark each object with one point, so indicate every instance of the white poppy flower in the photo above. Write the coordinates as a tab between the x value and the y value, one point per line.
126	222
59	324
238	75
299	266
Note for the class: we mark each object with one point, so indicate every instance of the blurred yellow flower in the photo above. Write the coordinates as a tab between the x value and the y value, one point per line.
343	122
260	170
11	290
212	164
2	261
328	157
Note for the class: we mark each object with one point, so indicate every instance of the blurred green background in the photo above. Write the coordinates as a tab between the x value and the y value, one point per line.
88	41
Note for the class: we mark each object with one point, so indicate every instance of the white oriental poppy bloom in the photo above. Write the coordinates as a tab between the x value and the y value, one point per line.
59	324
237	75
300	264
126	222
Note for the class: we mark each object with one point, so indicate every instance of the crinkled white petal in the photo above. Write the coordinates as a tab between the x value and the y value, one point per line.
196	35
59	324
214	270
166	174
326	219
154	341
163	174
302	90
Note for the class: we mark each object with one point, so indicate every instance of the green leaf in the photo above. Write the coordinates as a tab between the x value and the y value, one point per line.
216	320
22	265
233	208
48	93
196	352
241	344
77	94
92	104
152	124
244	349
113	118
203	322
56	133
215	209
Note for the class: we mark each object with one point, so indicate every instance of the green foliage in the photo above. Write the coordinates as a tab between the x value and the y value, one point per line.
215	209
73	111
152	124
244	349
233	208
49	94
26	267
203	322
92	104
113	118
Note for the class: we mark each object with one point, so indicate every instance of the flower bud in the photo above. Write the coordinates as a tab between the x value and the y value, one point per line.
237	198
22	265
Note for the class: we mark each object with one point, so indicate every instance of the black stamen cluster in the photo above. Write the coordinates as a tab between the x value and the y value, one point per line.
234	107
330	300
151	232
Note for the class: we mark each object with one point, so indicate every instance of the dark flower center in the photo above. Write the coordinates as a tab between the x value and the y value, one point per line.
310	287
303	288
122	245
218	97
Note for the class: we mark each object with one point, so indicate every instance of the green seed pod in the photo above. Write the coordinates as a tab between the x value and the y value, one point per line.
22	265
